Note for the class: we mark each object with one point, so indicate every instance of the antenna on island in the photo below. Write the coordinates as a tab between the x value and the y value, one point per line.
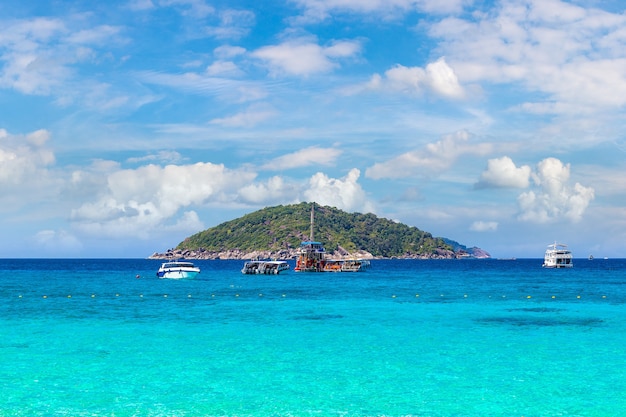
312	220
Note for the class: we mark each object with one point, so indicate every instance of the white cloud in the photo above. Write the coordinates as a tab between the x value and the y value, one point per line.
252	116
233	24
55	242
345	193
437	78
572	56
169	157
225	52
482	226
433	159
197	9
305	157
140	202
202	84
502	172
317	10
303	57
273	190
24	159
223	68
555	199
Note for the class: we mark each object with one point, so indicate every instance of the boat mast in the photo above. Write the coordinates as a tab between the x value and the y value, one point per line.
312	219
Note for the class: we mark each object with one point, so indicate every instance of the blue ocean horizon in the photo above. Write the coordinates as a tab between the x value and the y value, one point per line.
106	337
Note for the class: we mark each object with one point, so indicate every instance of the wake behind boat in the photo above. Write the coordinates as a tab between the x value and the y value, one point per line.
178	270
558	256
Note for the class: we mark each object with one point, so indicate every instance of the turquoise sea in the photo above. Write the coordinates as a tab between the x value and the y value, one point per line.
87	337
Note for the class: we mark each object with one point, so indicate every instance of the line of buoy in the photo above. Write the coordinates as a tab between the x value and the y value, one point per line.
283	295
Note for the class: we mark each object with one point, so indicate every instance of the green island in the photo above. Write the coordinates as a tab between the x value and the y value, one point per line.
276	233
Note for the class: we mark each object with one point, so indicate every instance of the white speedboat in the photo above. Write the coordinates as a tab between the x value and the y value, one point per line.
557	256
178	270
264	267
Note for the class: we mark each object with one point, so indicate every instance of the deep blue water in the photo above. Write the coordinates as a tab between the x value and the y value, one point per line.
102	337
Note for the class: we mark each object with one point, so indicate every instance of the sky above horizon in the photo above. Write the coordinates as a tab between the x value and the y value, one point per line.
126	126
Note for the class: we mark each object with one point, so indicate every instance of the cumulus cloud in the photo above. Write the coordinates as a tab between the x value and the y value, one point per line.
136	202
268	192
303	57
39	55
555	198
482	226
313	155
344	193
145	202
25	160
502	172
433	159
571	55
436	78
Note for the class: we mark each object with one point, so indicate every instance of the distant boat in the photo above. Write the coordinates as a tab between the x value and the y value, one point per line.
264	267
178	270
557	256
591	257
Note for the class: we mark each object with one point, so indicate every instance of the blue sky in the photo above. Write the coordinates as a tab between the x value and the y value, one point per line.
126	126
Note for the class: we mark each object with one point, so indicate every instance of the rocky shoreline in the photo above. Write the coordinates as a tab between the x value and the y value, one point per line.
340	253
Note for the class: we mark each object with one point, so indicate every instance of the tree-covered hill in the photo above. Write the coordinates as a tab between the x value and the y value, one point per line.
282	228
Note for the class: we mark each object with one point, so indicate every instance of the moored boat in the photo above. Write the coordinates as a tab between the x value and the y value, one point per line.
558	256
355	265
264	267
178	270
311	257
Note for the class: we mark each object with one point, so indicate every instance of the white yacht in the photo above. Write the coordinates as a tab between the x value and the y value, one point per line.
178	270
557	256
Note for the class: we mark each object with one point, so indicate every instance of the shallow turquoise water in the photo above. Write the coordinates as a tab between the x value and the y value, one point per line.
407	338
